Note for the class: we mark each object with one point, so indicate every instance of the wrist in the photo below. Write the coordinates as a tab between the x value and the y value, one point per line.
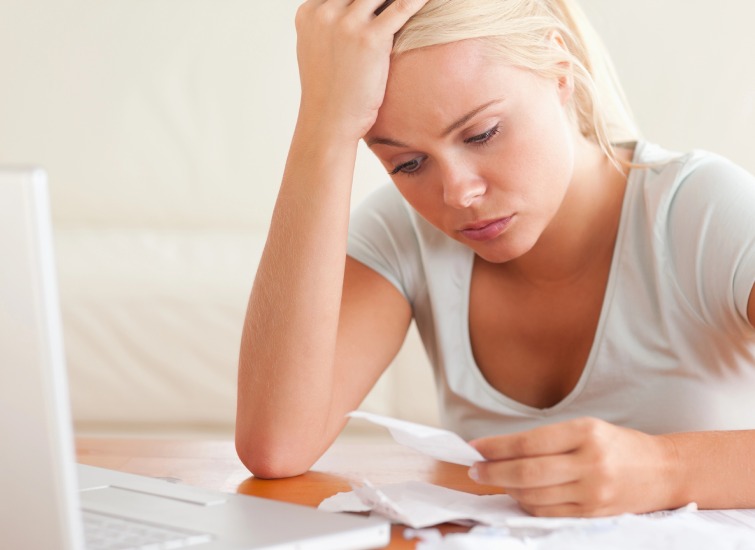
318	131
675	484
320	159
337	120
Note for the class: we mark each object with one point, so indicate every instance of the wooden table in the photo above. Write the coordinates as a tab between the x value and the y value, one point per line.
214	465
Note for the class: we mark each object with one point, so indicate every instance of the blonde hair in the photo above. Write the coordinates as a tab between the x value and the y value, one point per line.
521	32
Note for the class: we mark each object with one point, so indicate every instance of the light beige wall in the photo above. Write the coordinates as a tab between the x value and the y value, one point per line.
688	67
164	112
178	112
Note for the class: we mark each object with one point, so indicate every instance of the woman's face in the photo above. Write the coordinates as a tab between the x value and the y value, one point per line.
482	150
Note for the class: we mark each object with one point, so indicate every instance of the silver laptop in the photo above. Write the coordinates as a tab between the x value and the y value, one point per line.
47	502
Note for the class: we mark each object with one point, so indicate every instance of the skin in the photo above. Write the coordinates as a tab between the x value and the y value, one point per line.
497	164
320	328
519	159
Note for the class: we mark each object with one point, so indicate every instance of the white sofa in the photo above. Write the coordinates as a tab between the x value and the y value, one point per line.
153	322
164	126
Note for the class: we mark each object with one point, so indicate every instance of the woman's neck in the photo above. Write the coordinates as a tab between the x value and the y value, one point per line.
583	232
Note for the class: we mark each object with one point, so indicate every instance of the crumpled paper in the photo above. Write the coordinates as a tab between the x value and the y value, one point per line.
419	505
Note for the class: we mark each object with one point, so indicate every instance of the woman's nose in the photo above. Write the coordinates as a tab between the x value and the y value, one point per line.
462	186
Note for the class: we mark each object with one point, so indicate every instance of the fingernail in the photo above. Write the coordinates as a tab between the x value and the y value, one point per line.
474	474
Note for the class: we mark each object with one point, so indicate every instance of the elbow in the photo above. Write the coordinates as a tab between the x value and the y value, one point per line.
272	460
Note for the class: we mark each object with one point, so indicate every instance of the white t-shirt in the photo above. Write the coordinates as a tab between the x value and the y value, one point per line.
673	350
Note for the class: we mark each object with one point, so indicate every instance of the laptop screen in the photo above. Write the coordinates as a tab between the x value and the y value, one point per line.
39	504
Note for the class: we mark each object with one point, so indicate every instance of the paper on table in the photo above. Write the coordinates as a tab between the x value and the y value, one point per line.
419	504
422	505
435	442
684	531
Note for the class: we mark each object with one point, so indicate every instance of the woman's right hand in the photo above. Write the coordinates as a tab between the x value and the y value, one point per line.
344	51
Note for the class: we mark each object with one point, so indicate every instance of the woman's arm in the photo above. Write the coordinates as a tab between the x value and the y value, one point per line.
319	329
587	467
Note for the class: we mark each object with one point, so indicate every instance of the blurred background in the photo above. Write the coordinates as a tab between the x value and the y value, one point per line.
164	126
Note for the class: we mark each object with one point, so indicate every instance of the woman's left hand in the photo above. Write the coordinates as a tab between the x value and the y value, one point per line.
581	467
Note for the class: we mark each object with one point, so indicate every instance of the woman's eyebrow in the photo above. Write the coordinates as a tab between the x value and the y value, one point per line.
464	119
370	141
377	140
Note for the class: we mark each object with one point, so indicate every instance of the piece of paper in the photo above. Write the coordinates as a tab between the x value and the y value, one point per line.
435	442
418	505
683	531
739	517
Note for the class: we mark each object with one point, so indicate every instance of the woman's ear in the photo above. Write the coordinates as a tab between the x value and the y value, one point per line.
566	78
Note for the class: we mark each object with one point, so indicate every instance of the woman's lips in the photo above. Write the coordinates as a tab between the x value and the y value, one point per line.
486	230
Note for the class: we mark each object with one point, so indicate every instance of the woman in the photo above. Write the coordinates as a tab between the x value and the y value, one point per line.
588	306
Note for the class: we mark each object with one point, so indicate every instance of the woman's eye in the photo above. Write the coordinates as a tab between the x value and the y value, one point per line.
484	137
409	167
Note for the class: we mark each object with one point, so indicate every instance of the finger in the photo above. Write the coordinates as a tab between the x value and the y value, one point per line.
313	4
552	495
367	8
382	7
565	510
341	6
397	13
560	438
528	472
364	11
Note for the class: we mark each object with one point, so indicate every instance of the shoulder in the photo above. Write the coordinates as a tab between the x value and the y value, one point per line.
382	236
706	187
386	214
674	166
698	210
384	194
383	219
674	186
388	235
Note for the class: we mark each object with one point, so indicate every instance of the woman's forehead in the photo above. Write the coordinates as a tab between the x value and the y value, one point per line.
438	76
427	100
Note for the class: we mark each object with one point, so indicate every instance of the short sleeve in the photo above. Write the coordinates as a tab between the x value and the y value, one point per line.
712	240
382	236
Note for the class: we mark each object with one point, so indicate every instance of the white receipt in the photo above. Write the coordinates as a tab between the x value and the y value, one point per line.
686	530
435	442
419	504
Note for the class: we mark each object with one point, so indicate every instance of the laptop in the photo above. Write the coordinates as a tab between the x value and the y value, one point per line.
47	501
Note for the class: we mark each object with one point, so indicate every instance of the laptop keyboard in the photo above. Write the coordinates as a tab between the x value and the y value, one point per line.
104	532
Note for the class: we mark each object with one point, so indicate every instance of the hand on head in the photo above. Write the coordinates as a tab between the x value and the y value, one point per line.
344	53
